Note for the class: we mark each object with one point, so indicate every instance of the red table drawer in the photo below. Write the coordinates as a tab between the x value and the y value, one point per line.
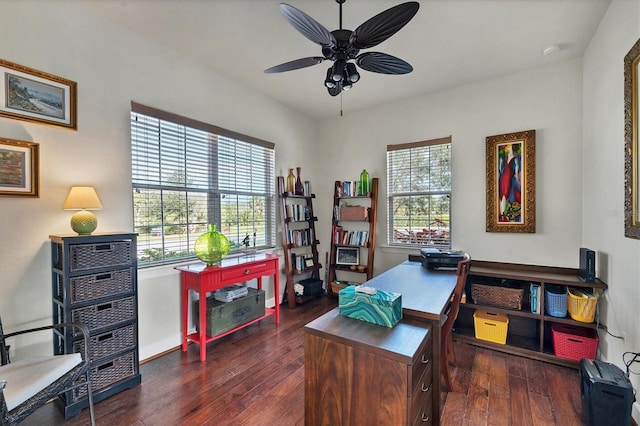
239	273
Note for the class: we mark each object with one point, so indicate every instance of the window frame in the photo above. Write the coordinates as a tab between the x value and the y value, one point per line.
214	143
437	229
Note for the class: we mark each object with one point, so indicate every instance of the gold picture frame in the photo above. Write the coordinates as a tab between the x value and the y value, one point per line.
31	95
511	182
19	162
631	142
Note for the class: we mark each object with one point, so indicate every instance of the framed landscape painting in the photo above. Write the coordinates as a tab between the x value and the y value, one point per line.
19	168
632	142
511	182
32	95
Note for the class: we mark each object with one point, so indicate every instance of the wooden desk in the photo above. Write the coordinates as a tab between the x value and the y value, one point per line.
203	279
425	296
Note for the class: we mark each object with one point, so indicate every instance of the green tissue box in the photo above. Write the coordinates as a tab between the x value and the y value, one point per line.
223	316
382	308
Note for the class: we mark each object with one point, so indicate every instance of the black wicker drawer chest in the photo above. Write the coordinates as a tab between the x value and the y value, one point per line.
94	281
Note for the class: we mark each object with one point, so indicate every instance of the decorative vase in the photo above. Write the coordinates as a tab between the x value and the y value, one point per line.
291	181
364	183
299	186
212	246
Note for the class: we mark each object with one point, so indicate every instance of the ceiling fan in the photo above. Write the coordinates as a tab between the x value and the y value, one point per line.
343	46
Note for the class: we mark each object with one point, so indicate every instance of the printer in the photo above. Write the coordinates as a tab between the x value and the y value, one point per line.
433	258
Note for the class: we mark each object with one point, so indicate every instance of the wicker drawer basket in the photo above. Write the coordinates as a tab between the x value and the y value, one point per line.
107	374
494	295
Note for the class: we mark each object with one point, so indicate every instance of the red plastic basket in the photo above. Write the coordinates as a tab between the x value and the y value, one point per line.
574	342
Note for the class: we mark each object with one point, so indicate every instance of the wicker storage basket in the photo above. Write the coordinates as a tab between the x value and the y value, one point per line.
581	304
494	295
336	286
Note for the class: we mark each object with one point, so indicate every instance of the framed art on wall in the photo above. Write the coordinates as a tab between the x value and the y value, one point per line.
32	95
19	163
511	182
631	142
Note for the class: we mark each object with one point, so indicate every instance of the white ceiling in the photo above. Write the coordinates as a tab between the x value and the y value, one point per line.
448	42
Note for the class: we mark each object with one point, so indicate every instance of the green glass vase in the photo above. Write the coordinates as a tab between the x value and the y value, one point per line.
212	246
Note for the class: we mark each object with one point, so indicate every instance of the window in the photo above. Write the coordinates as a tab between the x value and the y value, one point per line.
186	175
419	194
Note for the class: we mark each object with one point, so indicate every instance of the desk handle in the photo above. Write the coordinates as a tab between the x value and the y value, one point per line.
246	272
425	360
427	388
425	418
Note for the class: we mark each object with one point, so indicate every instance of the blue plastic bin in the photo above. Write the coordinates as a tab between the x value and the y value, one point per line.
555	300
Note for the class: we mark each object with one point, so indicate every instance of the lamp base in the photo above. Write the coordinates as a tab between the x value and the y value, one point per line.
84	222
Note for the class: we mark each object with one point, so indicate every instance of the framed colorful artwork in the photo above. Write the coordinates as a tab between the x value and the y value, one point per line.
19	168
631	142
511	182
32	95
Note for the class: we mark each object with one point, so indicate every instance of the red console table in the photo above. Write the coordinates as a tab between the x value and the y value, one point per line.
202	279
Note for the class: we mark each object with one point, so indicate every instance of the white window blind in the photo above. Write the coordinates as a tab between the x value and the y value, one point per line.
187	175
419	194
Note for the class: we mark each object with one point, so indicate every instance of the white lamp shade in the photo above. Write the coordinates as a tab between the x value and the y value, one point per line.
82	198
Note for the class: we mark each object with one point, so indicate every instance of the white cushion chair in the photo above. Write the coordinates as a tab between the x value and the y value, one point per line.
27	384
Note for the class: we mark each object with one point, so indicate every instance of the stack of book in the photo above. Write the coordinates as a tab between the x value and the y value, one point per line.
232	292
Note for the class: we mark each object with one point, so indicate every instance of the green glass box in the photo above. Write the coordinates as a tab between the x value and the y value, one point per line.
383	308
223	316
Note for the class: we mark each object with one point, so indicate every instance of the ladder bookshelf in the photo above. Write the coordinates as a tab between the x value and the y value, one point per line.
300	245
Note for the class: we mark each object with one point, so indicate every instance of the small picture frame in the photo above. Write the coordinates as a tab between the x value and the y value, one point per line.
308	262
347	256
31	95
19	163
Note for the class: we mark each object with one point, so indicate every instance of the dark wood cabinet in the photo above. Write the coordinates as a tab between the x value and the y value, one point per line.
358	373
299	244
352	234
528	333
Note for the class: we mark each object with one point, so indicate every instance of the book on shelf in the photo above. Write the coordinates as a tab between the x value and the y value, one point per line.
535	298
302	261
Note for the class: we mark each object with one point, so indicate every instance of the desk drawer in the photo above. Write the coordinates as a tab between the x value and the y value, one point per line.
242	273
423	391
424	415
424	362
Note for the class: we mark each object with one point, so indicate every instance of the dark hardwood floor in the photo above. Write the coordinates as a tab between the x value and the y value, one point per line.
256	377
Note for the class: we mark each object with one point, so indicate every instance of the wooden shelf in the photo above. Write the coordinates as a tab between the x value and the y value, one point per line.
293	275
528	334
369	201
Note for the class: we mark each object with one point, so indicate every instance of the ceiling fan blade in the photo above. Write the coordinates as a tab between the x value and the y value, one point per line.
309	27
383	63
383	25
294	65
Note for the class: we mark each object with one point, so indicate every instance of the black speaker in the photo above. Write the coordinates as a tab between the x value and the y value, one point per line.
587	271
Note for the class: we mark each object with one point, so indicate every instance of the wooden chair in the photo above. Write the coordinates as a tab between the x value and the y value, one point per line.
447	354
28	384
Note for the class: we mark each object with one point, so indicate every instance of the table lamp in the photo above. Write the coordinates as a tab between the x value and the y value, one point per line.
83	198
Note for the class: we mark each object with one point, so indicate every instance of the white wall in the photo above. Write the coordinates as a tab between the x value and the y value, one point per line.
547	99
112	67
603	176
579	161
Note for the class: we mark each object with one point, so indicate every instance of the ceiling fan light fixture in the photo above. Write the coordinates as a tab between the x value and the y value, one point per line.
352	74
338	70
328	82
346	84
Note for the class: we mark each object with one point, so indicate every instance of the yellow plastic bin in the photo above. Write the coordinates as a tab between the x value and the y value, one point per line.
491	326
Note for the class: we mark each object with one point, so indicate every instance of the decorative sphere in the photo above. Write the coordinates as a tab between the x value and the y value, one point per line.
211	247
